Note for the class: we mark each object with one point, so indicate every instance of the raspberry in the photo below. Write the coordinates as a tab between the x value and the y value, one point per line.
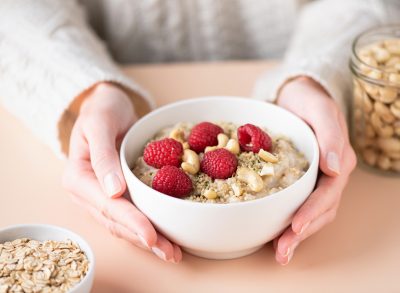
252	138
203	135
164	152
219	164
172	181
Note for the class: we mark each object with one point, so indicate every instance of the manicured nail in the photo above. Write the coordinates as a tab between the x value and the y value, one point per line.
143	241
112	184
289	257
303	228
333	162
159	253
290	253
287	251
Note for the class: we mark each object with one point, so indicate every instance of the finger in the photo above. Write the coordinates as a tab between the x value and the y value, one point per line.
177	253
288	242
84	184
325	196
78	148
330	135
160	246
101	136
164	249
116	229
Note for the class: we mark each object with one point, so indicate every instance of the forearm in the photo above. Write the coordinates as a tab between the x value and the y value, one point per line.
49	61
321	46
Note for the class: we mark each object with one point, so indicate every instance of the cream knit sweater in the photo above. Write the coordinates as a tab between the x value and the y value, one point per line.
52	50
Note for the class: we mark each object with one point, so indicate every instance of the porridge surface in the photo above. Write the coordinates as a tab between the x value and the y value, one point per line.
290	165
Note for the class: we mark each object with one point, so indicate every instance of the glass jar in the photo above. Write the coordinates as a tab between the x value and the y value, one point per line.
375	66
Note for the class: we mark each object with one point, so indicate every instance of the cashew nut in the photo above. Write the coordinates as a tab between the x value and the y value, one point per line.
377	107
389	145
237	190
367	104
374	74
372	90
369	131
386	131
384	112
370	156
267	156
222	141
395	108
395	156
267	170
392	46
177	134
233	146
185	145
381	55
394	77
384	162
210	194
234	135
392	62
210	148
387	95
376	121
253	180
191	162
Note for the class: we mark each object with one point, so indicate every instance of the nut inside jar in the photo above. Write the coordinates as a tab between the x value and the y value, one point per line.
376	99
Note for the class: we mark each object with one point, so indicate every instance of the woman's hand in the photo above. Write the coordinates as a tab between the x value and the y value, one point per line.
94	176
307	99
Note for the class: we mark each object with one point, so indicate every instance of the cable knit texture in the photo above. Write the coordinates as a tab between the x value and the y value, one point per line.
53	50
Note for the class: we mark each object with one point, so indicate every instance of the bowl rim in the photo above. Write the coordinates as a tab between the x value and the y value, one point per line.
89	253
155	193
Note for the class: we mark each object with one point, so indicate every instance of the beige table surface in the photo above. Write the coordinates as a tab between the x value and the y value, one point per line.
359	252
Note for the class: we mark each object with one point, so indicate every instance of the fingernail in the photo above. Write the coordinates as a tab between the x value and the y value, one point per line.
143	241
289	258
112	184
290	253
159	253
333	162
287	251
303	228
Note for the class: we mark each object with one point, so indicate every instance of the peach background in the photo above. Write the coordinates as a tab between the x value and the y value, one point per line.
359	252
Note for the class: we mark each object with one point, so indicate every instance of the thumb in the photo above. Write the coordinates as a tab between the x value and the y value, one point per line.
331	138
104	157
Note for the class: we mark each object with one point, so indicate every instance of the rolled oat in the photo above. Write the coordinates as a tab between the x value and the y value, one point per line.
28	265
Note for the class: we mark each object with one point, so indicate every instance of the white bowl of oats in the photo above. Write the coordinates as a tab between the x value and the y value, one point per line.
44	258
220	176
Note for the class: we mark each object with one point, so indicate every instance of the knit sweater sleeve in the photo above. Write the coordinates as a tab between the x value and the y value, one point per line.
48	57
321	45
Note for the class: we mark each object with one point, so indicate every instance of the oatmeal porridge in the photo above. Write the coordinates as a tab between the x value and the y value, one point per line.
219	162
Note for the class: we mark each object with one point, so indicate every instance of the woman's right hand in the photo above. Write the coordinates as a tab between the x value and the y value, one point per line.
93	174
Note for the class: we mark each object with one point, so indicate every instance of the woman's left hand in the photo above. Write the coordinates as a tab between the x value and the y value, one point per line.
307	99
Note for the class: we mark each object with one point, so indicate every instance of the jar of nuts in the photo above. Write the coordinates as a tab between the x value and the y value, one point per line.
375	64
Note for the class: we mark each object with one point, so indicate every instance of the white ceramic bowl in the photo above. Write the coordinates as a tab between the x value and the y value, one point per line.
220	231
42	232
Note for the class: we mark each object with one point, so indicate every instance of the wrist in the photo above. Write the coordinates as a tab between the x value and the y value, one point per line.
105	95
300	87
